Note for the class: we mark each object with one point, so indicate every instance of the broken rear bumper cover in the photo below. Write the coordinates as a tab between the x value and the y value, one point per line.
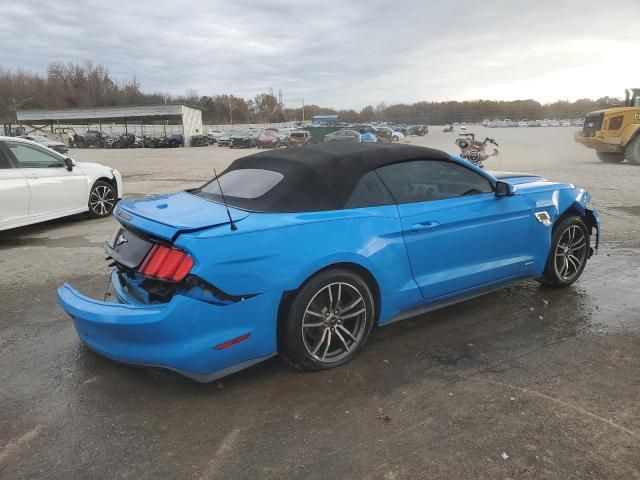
180	335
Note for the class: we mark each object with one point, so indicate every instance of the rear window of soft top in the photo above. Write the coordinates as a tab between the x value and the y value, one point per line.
247	183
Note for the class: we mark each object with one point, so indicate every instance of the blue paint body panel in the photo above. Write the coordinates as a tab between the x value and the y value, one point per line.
419	254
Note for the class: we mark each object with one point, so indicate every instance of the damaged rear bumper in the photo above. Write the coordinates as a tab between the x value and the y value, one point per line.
180	335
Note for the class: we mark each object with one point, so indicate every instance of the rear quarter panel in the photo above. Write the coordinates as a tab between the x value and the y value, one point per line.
278	252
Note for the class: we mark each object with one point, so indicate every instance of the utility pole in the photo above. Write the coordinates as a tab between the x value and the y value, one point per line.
230	113
303	110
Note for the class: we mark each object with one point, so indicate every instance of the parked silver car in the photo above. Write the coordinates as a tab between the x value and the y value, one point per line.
349	136
47	142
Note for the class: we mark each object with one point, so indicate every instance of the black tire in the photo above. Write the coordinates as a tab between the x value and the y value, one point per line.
609	157
569	252
338	334
102	199
632	151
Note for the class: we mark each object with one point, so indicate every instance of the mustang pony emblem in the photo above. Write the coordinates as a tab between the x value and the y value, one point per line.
120	240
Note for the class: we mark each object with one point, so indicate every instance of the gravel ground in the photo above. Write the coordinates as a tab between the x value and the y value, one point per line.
524	383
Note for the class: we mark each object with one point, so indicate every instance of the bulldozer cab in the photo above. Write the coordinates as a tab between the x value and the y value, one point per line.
632	97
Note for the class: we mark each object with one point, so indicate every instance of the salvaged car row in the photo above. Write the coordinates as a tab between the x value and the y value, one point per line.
98	139
239	137
508	123
295	137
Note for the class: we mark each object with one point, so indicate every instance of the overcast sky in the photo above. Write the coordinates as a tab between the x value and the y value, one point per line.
346	53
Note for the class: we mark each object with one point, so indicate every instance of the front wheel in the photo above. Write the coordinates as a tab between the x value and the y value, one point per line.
102	199
608	157
568	254
329	321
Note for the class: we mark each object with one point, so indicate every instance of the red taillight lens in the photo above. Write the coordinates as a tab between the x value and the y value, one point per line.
166	263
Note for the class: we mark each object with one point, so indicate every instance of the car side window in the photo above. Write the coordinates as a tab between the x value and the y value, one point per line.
369	192
4	162
429	180
32	157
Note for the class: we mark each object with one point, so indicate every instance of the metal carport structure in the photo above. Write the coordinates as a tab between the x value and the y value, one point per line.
188	116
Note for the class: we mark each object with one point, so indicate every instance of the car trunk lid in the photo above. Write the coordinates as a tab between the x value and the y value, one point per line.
166	216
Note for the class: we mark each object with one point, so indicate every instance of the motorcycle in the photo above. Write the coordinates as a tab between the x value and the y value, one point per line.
475	150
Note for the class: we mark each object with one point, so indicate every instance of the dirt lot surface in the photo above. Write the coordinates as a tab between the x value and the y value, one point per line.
524	383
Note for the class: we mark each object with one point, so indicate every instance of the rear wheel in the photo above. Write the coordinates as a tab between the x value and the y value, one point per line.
102	199
568	254
329	320
608	157
632	151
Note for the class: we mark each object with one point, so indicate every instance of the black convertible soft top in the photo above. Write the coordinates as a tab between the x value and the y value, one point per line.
320	177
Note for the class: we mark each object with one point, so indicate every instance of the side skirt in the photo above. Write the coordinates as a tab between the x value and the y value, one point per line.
422	309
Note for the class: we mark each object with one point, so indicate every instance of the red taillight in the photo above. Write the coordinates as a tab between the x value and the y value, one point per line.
166	263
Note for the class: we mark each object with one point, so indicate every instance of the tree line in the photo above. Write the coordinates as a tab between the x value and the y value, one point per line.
85	84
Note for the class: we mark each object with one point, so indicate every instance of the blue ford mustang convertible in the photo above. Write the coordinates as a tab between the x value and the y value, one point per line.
303	251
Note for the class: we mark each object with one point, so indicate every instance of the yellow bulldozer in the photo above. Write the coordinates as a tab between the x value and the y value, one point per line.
614	133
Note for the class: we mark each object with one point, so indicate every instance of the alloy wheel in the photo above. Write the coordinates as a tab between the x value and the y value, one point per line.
571	253
102	200
334	322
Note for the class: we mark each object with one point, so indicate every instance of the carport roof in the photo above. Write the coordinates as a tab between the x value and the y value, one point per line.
118	113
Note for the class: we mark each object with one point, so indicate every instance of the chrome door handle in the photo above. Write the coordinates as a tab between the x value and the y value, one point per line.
422	226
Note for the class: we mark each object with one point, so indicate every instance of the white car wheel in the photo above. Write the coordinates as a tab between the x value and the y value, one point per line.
102	199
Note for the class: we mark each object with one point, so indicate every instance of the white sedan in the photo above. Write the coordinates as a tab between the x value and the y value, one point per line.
38	184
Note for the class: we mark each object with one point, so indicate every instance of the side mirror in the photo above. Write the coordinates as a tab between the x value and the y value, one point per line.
70	163
504	189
